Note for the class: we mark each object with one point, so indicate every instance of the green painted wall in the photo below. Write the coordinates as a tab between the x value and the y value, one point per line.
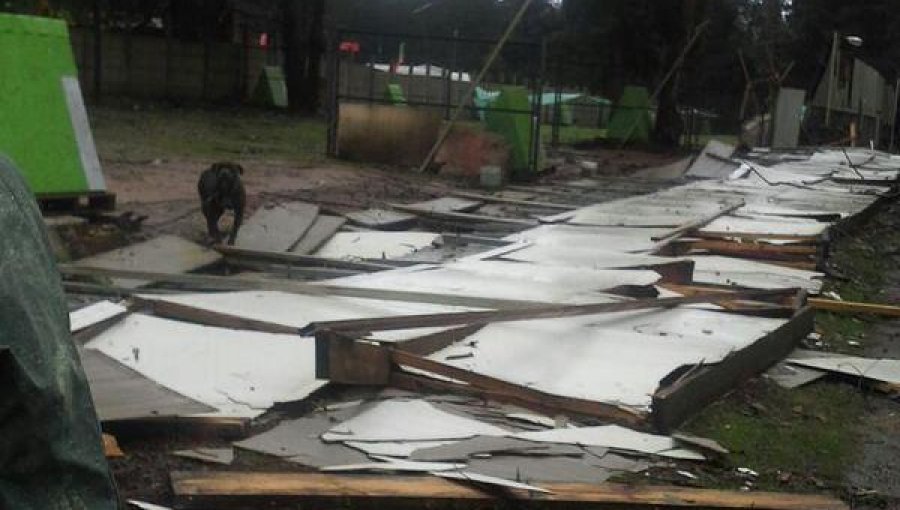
35	129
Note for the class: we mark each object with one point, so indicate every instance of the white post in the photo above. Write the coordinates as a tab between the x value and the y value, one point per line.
894	116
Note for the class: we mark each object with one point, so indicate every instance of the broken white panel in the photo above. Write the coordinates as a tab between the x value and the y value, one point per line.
766	226
610	436
576	256
599	238
375	245
884	370
84	138
146	506
224	456
717	270
299	310
504	280
163	254
448	204
390	464
94	314
682	454
476	478
401	449
714	162
537	419
409	420
600	352
240	373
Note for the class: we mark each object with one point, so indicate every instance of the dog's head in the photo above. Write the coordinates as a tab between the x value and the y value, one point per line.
228	181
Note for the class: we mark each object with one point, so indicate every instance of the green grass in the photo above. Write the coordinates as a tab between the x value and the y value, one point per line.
795	439
150	133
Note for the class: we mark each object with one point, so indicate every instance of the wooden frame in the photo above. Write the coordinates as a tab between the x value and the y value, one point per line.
204	489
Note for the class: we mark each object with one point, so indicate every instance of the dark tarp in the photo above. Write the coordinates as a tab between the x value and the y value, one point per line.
51	457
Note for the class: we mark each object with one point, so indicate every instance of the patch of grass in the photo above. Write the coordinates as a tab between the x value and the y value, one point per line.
144	134
796	439
570	135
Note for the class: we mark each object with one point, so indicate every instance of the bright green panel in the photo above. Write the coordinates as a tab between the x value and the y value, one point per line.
515	128
35	129
630	120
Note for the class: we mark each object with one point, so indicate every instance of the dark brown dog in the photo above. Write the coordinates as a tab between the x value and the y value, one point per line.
221	189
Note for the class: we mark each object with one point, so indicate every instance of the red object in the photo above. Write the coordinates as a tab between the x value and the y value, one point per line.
263	40
349	47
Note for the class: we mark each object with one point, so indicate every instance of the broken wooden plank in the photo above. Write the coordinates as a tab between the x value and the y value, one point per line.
749	250
534	312
475	218
851	307
318	234
677	400
511	201
178	311
699	222
205	489
111	448
277	228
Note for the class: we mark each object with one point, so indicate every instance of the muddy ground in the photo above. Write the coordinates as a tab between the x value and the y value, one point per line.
833	436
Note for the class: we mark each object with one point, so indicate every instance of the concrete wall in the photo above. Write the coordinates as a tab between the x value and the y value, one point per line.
147	67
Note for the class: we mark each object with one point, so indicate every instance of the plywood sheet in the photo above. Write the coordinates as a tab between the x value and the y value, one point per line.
164	254
277	228
121	393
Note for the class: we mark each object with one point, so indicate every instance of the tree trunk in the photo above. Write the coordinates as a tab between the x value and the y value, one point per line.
303	52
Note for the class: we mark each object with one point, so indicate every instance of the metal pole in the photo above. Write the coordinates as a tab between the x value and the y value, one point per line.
832	73
894	117
477	80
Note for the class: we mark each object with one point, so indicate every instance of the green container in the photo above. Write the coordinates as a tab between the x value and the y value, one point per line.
44	127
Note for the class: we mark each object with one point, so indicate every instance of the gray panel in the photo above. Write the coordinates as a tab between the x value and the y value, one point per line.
122	394
318	234
90	162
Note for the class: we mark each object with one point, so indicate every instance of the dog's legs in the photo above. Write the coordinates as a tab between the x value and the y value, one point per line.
238	219
212	223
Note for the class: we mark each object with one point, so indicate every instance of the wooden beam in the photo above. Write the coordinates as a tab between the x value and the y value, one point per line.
532	312
756	237
210	489
511	201
468	217
197	315
745	250
207	282
503	391
699	222
831	305
680	399
304	260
